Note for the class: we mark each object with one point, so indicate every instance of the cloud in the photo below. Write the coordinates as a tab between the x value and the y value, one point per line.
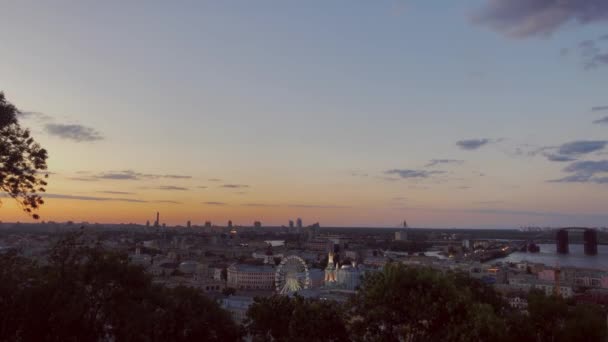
406	173
73	132
202	187
171	188
592	55
559	158
585	172
263	205
472	144
214	180
37	116
127	175
119	175
117	192
169	176
92	198
234	186
488	202
527	18
215	203
582	147
435	162
83	179
601	121
599	109
317	206
167	202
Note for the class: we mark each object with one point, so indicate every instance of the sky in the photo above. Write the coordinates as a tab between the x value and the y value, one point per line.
473	113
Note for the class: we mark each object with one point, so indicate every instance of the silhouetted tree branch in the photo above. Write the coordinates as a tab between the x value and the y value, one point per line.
22	161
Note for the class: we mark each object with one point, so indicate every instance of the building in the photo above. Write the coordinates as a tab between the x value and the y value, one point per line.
401	235
299	223
257	224
347	277
251	277
526	282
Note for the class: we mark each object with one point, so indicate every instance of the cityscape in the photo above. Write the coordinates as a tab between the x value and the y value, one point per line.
399	170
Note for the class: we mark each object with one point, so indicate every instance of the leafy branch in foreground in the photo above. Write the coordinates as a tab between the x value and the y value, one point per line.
22	161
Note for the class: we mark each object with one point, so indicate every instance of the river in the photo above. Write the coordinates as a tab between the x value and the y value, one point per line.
576	257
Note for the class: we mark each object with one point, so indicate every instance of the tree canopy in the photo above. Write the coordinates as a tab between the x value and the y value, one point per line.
86	293
402	303
282	318
22	161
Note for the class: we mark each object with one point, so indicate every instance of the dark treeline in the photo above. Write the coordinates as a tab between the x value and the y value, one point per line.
421	304
86	293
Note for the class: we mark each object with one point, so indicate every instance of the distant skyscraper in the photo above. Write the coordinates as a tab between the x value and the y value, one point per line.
188	224
257	224
208	224
148	223
290	223
230	224
157	222
299	223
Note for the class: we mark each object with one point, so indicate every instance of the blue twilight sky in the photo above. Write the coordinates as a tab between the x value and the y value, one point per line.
448	113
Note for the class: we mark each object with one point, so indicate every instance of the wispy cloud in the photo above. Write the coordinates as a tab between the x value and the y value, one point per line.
559	158
167	202
126	175
202	187
472	144
92	198
116	192
436	162
37	116
526	18
234	186
585	172
317	206
581	147
601	121
214	180
407	173
215	203
74	132
599	109
262	205
171	188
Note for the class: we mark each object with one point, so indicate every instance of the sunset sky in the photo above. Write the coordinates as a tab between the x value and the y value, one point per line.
476	113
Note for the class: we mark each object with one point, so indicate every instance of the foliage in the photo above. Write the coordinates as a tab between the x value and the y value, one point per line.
554	320
410	304
86	293
22	161
281	318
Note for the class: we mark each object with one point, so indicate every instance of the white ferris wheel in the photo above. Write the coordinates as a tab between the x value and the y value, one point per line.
292	275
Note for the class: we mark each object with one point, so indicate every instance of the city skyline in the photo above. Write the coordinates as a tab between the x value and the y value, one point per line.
484	113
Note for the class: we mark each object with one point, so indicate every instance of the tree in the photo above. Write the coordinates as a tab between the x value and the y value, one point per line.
86	293
22	161
282	318
420	304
